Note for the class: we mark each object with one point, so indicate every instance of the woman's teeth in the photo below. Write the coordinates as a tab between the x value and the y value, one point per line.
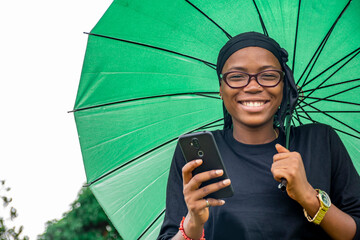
253	104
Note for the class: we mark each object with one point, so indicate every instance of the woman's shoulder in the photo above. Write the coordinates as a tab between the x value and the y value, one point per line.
314	134
312	128
220	134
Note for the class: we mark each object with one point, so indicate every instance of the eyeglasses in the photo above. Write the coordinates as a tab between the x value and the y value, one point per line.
267	78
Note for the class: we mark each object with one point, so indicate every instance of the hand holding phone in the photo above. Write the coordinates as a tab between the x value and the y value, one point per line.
202	145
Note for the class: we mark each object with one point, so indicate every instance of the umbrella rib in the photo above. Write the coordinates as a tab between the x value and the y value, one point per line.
321	46
316	58
297	116
125	164
147	152
334	128
312	58
296	36
223	30
330	111
212	126
346	90
314	78
329	100
317	87
212	65
261	20
305	113
332	85
203	94
310	119
337	120
147	229
204	126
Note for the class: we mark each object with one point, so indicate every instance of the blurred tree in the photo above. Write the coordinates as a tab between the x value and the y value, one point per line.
7	233
85	221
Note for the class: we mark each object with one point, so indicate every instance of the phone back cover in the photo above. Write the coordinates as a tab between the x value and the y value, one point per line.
207	151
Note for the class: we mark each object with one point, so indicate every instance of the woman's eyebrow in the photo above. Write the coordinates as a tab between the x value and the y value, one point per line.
260	68
267	67
238	68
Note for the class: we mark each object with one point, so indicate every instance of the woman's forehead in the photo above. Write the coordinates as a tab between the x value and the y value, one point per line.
248	57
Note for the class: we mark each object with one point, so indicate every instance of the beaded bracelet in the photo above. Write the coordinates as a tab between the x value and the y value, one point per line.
181	228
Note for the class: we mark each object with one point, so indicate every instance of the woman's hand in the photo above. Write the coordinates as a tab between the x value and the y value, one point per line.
289	165
198	211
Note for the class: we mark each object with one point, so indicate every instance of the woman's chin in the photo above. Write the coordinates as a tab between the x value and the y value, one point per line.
253	122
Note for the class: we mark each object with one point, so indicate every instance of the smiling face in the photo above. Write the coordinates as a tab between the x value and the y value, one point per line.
253	105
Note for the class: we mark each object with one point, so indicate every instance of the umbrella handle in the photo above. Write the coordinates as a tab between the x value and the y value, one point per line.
282	185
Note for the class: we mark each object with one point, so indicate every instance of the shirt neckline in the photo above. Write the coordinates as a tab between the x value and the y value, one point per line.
253	148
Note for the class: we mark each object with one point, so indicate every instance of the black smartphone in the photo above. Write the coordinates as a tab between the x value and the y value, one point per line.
202	145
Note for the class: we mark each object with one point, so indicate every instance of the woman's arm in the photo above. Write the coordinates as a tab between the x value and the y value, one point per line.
198	211
184	198
289	165
336	223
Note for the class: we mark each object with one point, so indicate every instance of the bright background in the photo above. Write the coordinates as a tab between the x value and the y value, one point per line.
42	48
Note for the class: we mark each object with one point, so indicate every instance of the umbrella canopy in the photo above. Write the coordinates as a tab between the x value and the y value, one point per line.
149	76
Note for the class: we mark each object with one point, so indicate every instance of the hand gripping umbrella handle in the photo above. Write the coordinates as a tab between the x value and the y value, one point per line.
282	185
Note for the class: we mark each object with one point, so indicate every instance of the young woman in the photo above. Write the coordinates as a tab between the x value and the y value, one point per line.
258	90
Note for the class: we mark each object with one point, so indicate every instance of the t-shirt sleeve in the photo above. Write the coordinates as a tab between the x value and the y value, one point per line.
345	187
175	203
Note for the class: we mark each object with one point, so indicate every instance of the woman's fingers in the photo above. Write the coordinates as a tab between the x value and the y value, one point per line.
206	190
281	149
188	168
211	202
199	178
193	182
201	204
279	173
287	168
283	153
289	165
194	197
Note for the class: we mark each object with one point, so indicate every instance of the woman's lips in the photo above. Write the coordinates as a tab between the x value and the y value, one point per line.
253	105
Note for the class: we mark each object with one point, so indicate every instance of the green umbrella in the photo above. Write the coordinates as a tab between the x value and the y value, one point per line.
149	76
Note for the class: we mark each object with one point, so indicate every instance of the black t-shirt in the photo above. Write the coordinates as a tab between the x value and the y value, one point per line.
258	209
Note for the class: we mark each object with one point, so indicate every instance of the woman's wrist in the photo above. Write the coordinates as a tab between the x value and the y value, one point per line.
310	202
192	229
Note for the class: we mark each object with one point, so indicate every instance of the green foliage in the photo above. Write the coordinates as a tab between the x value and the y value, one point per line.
7	233
85	221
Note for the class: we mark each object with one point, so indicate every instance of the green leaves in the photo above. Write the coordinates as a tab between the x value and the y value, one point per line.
85	221
6	232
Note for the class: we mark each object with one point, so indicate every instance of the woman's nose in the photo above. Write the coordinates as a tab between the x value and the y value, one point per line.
253	85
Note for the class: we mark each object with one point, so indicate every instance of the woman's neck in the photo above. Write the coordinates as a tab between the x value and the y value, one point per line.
255	135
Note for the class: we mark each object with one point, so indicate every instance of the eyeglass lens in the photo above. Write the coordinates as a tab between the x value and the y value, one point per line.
241	79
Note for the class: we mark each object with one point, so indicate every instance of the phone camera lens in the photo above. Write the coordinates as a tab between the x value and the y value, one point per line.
200	153
195	143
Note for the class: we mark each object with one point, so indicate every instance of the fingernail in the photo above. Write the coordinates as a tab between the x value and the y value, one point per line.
222	202
198	161
218	172
226	181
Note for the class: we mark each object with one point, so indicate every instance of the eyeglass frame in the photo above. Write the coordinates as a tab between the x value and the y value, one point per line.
223	77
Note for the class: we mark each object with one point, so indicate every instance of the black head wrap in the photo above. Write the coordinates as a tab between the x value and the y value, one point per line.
254	39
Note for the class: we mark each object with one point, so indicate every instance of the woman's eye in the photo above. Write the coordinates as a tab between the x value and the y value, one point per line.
237	77
268	76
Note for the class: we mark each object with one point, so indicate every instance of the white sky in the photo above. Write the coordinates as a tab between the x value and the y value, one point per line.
42	47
